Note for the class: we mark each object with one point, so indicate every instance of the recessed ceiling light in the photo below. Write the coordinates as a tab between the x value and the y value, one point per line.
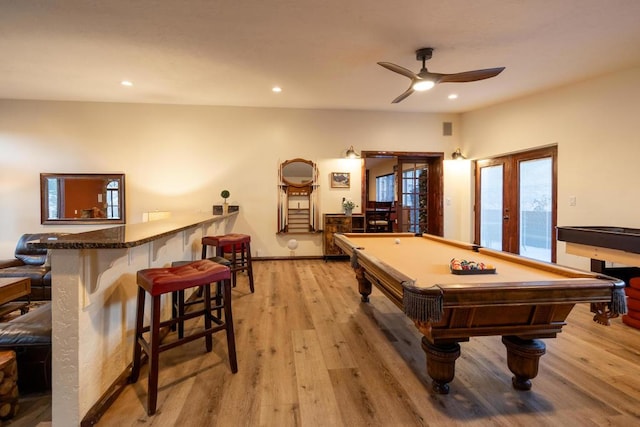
276	89
453	96
126	83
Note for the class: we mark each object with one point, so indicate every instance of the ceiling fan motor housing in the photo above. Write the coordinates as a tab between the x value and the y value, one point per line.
424	53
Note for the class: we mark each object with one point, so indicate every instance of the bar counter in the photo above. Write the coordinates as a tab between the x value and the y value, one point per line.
93	304
128	236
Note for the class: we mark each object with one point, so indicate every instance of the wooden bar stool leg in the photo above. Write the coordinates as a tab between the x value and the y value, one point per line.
137	347
249	266
219	299
152	392
181	310
207	316
174	308
234	265
228	319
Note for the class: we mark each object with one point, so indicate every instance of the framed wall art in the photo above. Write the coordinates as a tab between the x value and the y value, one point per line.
340	180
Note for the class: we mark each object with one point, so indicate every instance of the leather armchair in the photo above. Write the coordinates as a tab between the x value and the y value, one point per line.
32	263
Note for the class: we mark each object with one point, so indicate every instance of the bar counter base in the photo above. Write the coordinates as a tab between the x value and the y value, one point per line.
93	304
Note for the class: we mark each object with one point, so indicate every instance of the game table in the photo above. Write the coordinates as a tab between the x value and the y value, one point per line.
614	244
523	300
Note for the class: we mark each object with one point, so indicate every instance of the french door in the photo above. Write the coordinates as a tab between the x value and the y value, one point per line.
516	203
419	195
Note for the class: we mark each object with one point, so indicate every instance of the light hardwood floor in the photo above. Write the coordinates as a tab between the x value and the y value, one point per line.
311	354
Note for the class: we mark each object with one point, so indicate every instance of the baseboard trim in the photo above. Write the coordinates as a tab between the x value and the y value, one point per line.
98	409
285	258
106	400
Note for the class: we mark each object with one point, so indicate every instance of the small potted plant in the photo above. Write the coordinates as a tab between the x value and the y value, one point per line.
225	206
348	206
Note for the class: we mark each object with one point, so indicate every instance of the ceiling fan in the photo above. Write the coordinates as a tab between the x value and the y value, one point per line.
425	79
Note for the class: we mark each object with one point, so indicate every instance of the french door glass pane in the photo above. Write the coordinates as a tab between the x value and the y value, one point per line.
414	197
491	207
536	208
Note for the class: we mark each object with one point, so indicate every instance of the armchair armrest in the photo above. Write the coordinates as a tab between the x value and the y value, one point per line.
14	262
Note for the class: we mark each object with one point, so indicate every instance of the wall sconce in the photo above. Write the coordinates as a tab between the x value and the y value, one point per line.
351	153
457	155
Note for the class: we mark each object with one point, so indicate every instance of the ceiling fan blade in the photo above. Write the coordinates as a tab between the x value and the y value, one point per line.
403	95
398	69
470	76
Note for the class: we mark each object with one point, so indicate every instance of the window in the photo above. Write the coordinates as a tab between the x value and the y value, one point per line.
53	190
113	203
384	188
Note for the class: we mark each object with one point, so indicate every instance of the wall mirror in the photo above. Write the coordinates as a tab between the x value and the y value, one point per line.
297	197
82	198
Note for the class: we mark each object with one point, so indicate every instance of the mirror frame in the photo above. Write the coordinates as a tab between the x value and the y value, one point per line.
44	205
306	192
297	184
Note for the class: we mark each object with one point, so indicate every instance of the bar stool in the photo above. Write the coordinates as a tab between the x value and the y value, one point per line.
232	244
159	281
178	302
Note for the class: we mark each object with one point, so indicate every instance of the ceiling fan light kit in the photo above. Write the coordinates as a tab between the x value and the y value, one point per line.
425	80
422	85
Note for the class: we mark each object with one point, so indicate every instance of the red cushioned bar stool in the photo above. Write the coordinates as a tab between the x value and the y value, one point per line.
234	244
159	281
179	303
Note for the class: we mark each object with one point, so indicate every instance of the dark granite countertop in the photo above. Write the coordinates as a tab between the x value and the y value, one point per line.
128	236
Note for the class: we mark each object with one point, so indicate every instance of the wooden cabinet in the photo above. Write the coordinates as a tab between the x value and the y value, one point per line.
340	223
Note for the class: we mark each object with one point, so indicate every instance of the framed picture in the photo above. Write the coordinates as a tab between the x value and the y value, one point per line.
340	180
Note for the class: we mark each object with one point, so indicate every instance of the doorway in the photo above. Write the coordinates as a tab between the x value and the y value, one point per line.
516	203
414	183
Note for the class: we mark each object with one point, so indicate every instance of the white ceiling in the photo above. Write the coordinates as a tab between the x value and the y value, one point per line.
322	52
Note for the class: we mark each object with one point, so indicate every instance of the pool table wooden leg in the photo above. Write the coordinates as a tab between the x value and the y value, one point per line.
523	357
441	363
364	285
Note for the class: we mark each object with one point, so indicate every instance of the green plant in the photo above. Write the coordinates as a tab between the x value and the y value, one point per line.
225	195
348	204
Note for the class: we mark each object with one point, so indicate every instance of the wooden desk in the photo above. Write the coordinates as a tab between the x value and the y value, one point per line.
12	288
523	301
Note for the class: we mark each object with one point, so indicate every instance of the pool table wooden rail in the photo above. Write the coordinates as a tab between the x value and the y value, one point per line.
452	312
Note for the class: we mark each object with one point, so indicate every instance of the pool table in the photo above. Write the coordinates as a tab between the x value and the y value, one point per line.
523	300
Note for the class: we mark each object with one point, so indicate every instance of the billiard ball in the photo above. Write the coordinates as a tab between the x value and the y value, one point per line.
397	241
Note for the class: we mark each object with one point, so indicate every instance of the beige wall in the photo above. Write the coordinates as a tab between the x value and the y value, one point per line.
596	125
179	158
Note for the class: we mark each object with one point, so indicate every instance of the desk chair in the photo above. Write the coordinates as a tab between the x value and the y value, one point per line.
379	220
